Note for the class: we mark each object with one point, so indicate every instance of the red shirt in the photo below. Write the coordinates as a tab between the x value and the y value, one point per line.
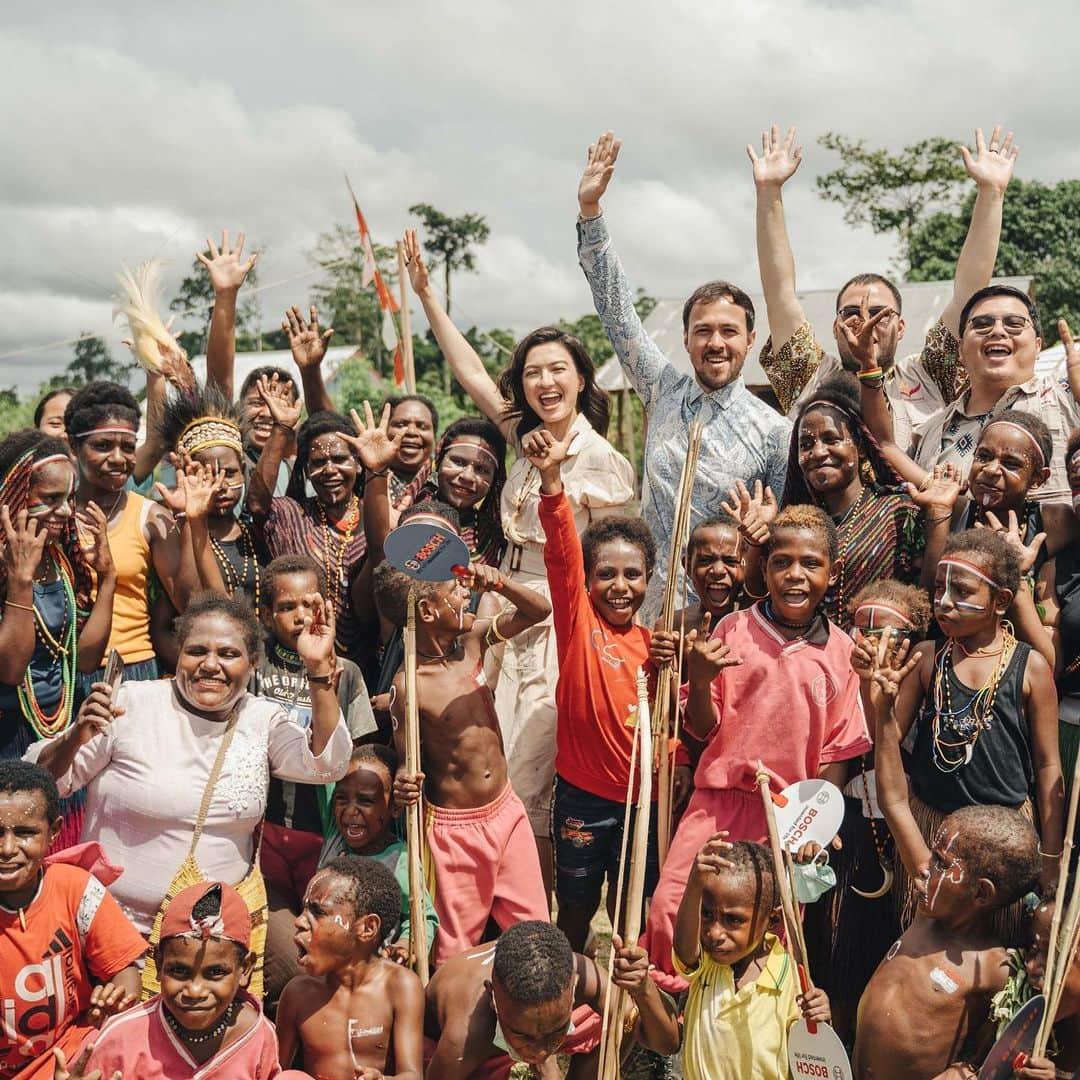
74	930
596	696
794	705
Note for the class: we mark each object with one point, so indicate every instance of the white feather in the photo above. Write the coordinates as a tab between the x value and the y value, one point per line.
138	301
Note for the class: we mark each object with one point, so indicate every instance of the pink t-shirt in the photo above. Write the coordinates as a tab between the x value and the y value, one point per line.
794	705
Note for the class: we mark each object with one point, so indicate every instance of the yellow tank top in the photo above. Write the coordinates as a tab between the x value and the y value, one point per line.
131	554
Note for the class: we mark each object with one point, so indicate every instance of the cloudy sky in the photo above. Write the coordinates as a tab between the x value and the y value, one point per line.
136	131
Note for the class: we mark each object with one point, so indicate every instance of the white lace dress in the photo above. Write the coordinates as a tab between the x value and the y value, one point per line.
146	773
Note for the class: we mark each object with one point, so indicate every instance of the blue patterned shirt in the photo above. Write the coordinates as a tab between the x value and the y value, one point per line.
743	439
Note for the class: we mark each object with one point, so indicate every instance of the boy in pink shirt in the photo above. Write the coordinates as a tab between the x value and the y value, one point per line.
774	683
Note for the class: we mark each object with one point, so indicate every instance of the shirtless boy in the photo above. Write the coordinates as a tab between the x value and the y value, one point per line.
350	907
925	1012
478	835
529	998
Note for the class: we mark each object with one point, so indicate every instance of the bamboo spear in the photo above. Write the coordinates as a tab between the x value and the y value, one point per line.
611	1032
414	833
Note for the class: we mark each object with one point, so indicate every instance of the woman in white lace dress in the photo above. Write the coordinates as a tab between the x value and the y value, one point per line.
145	758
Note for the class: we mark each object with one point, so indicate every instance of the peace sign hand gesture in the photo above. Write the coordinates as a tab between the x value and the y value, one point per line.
599	169
414	263
1010	533
778	162
859	332
893	664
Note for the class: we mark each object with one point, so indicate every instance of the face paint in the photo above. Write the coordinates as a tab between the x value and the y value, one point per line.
1023	431
877	606
953	873
894	948
961	605
944	979
460	614
342	923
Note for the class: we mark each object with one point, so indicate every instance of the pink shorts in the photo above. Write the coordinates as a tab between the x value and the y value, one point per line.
482	863
708	812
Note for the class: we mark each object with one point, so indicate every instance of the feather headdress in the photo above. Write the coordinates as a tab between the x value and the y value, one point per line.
151	340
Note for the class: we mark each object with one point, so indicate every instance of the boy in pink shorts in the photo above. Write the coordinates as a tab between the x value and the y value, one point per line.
774	683
480	843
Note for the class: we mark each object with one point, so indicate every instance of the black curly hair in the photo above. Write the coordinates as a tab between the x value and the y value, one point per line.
633	530
990	552
533	962
96	403
997	843
17	776
235	608
373	889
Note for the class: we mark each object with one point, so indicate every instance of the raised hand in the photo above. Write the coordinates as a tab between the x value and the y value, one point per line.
599	169
277	396
1010	532
225	265
711	859
107	1001
96	526
859	331
202	484
414	263
991	165
316	641
1072	353
938	493
545	451
24	544
778	162
893	665
707	656
754	512
374	444
307	343
77	1069
175	499
864	656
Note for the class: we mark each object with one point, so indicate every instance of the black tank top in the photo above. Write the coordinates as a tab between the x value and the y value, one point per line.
1067	590
1000	772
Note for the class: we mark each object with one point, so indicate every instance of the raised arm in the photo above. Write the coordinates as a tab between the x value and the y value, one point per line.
896	693
991	167
285	415
1072	358
644	364
463	359
94	637
227	272
316	648
709	860
308	345
376	447
776	264
151	450
24	544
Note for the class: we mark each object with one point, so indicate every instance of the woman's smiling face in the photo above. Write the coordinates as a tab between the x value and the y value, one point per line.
214	664
466	472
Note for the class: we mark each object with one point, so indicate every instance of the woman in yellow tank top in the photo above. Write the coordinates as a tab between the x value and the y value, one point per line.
102	420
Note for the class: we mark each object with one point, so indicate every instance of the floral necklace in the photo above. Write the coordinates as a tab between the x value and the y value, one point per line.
334	561
63	651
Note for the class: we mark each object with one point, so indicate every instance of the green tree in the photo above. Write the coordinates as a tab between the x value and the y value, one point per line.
15	414
194	304
92	360
592	333
351	308
891	192
1040	236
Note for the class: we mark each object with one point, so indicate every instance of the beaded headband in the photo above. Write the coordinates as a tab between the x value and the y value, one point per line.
475	445
207	431
878	606
49	459
107	429
1017	427
970	568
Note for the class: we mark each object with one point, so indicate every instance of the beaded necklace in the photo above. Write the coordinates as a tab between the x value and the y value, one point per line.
63	653
235	582
845	525
965	724
335	574
215	1032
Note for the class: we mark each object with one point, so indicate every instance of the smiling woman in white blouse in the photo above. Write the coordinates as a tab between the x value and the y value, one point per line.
147	757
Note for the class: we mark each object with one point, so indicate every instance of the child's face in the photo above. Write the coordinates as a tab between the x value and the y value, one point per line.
872	618
327	927
1004	467
448	609
287	611
828	456
965	602
200	979
466	472
362	807
717	567
1035	961
732	927
617	580
25	836
798	573
946	890
534	1032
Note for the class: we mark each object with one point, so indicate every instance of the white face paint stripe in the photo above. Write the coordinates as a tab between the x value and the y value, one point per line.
971	569
878	606
1022	430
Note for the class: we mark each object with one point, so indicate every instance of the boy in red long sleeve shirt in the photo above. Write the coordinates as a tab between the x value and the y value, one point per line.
597	585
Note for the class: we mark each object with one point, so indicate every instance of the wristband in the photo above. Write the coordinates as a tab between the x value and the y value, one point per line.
321	680
21	607
377	472
871	373
1048	855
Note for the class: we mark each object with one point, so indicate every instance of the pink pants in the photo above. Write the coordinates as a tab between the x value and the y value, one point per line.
482	863
709	811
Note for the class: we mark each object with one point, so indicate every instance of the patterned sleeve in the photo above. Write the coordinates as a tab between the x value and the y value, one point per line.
941	358
777	449
645	365
793	365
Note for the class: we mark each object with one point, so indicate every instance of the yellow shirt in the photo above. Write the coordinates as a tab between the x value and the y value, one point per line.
738	1034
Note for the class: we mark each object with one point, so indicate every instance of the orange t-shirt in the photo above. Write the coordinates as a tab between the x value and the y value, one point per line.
74	930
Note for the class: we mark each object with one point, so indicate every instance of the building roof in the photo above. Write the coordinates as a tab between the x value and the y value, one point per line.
924	301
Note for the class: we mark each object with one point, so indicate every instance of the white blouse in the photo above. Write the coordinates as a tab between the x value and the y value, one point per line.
145	775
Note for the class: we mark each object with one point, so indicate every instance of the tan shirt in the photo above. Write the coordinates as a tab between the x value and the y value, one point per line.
951	435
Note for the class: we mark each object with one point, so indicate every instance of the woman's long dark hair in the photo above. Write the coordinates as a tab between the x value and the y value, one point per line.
592	401
841	395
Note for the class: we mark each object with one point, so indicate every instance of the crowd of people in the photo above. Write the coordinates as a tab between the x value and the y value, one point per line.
203	866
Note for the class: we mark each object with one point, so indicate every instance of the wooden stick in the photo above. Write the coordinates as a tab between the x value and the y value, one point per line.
407	362
611	1031
414	833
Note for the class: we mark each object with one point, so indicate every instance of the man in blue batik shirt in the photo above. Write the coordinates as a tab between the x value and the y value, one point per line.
743	438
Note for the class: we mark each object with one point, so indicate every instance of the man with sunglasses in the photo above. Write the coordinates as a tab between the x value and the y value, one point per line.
1000	340
917	385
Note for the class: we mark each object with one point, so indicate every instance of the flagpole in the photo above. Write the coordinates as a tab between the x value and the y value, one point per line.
407	359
